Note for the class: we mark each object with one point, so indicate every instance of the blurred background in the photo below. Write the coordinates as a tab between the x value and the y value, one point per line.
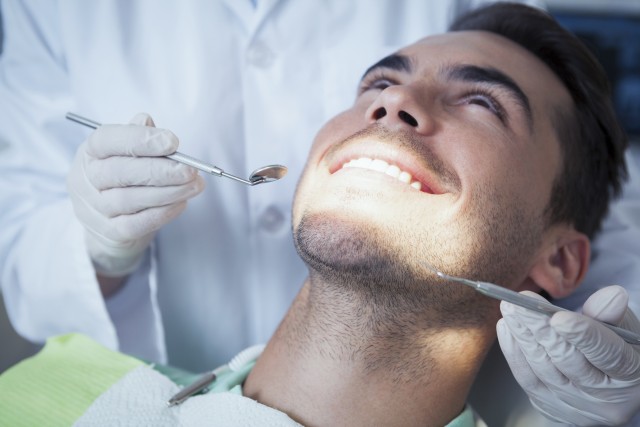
12	347
612	30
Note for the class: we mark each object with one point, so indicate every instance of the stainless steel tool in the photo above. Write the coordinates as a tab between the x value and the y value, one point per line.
504	294
261	175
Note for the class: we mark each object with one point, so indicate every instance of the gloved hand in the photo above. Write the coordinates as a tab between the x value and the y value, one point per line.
574	369
123	190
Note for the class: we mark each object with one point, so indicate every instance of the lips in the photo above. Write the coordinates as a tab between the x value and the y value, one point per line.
385	158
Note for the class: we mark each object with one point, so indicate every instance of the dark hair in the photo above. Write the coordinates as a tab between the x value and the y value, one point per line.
591	138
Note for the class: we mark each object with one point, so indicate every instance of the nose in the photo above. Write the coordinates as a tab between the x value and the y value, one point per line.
398	106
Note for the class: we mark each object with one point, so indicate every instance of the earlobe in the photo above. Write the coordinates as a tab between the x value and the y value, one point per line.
562	263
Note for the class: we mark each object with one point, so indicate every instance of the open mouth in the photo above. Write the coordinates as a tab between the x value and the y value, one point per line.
397	156
392	170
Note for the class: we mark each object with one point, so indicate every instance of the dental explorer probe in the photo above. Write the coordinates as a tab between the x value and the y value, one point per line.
544	307
259	176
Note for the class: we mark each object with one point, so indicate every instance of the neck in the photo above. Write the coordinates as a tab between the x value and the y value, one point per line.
335	361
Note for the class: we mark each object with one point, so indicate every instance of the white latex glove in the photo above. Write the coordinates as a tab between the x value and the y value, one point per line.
123	190
574	369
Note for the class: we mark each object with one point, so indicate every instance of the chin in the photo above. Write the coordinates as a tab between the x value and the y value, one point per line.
338	244
350	251
349	259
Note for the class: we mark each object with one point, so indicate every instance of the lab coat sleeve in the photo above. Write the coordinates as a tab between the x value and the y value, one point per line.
47	279
616	250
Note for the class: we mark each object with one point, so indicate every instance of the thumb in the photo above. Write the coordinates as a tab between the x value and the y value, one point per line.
142	119
608	305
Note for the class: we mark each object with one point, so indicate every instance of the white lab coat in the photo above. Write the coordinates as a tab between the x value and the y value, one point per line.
241	87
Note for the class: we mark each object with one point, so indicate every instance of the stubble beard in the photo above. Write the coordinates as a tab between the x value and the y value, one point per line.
372	299
384	268
373	302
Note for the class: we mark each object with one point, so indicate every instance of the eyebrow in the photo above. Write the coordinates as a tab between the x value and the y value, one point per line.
466	73
395	61
492	77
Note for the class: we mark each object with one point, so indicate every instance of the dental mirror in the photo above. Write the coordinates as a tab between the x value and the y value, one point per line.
259	176
267	174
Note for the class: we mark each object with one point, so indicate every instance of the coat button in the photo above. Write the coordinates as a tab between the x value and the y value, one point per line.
272	219
260	55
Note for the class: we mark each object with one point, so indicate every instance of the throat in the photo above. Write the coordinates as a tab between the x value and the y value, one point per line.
339	364
375	338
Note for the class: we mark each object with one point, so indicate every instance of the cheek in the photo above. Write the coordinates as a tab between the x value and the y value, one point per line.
337	129
301	197
494	164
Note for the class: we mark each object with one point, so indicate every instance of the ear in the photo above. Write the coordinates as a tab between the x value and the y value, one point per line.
562	262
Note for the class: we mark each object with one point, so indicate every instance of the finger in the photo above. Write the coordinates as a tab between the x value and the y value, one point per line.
142	119
144	222
119	171
569	360
125	230
130	140
540	395
563	363
129	200
557	364
607	304
529	328
517	361
602	347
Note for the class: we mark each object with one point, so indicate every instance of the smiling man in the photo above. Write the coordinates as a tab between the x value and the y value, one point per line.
490	153
460	151
448	156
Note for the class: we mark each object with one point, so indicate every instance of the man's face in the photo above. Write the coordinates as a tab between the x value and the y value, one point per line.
447	156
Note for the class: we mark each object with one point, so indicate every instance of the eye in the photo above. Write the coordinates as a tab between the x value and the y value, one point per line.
379	84
483	102
487	101
375	81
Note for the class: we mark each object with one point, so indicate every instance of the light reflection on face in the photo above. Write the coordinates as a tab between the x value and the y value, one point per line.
450	157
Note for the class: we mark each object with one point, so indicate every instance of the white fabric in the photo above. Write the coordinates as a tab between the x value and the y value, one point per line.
140	399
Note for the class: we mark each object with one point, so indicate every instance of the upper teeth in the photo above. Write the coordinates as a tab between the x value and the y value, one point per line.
384	167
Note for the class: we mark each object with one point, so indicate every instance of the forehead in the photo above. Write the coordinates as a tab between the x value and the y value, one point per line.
488	50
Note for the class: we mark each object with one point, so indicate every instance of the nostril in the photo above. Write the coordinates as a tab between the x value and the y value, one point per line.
379	113
408	118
